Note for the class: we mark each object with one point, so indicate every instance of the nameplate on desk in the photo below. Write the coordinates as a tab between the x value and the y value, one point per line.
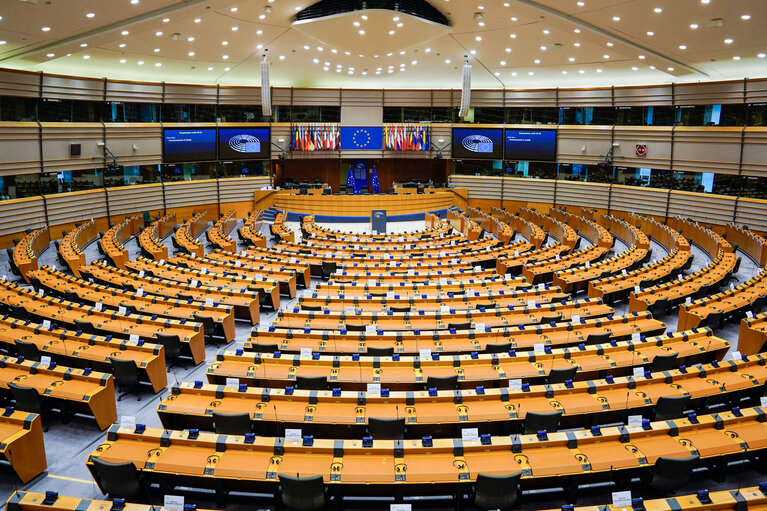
305	353
424	353
622	499
539	347
636	337
122	310
638	372
233	383
133	338
173	503
588	264
47	323
350	310
390	294
162	261
99	306
508	276
293	435
736	355
193	283
209	302
128	421
141	273
370	329
624	272
637	289
576	318
445	309
688	300
400	507
479	326
140	291
531	304
515	384
45	361
374	389
541	286
40	292
763	401
635	421
469	434
749	314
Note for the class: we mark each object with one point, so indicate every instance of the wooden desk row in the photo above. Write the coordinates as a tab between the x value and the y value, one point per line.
753	333
91	293
667	237
440	230
413	275
578	278
228	462
249	230
544	271
150	238
28	250
280	230
76	390
105	320
514	263
87	350
463	341
115	237
186	235
406	372
71	247
302	270
462	224
343	414
531	232
244	300
708	240
219	233
21	443
559	229
502	231
750	242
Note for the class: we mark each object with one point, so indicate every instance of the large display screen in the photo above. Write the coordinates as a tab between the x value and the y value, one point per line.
180	145
531	145
243	143
477	144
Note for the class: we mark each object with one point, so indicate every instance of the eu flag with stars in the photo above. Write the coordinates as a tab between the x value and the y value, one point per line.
374	182
361	138
350	183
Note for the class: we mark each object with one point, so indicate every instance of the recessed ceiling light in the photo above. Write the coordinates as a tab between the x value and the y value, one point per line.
650	33
503	62
235	29
693	26
473	52
123	61
191	54
306	47
83	45
682	46
610	44
513	18
543	48
537	61
395	18
227	69
124	32
761	55
564	72
508	50
320	48
158	33
356	23
140	62
233	9
642	57
122	45
447	61
259	32
478	38
481	23
334	50
580	4
316	60
705	1
658	9
402	52
728	41
157	50
364	17
605	56
599	70
134	2
652	67
361	32
616	18
577	45
224	43
197	20
571	59
581	71
497	73
261	16
86	57
745	17
210	68
48	55
389	54
225	57
531	73
577	30
90	15
670	68
400	24
347	52
736	58
513	36
259	46
46	29
634	68
513	73
546	31
157	64
165	20
391	32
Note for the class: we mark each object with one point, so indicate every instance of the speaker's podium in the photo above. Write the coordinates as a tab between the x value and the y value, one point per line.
378	221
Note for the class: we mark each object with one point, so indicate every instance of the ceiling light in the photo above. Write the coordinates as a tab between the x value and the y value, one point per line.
652	67
191	54
134	2
157	64
642	57
123	61
125	32
571	59
634	68
543	48
616	18
736	58
581	71
478	38
546	31
325	68
745	17
728	41
705	1
413	62
682	46
347	52
227	69
473	52
481	23
224	43
658	9
225	57
259	32
235	29
497	73
610	44
364	17
90	15
261	16
564	72
316	60
320	48
513	18
259	46
670	68
402	52
306	47
650	33
577	45
605	56
122	45
400	25
508	50
46	29
693	26
334	50
210	68
537	61
356	23
156	50
428	50
580	4
395	18
503	62
513	36
197	20
599	70
513	73
86	57
761	55
391	32
233	9
361	32
48	55
447	61
83	45
165	20
158	33
577	30
530	73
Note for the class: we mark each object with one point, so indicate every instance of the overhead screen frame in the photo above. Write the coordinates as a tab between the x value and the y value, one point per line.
226	153
459	152
550	156
213	141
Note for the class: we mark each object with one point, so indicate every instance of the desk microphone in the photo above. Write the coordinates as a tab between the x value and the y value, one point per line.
397	412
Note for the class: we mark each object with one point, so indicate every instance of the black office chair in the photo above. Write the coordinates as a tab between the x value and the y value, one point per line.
442	382
713	320
231	423
185	297
497	347
312	382
399	309
171	345
85	326
28	350
302	493
212	331
118	480
535	421
263	348
59	258
659	308
561	375
14	269
386	429
670	407
670	474
19	312
496	492
551	318
380	352
29	400
459	326
488	305
663	362
598	338
328	269
355	328
314	308
702	292
127	378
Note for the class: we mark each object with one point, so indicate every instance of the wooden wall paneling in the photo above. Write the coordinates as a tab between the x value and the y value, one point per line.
599	97
241	189
239	95
133	92
441	139
753	213
72	207
708	208
756	91
280	95
570	140
19	148
755	152
23	84
714	93
57	136
121	137
19	214
409	97
657	95
634	199
65	87
402	169
707	149
531	98
280	131
362	97
326	169
190	193
587	195
657	139
126	200
487	98
445	98
479	187
193	94
528	190
317	97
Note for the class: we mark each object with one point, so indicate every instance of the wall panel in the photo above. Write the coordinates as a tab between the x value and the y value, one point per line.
571	140
241	189
19	214
318	97
19	83
63	87
708	208
194	94
362	98
487	98
19	148
588	195
190	193
132	199
147	137
445	98
701	149
657	139
408	97
756	91
586	97
755	152
57	136
531	98
659	95
133	92
753	213
239	95
76	206
709	93
645	201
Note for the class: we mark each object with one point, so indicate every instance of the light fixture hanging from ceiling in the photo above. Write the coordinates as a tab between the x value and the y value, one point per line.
266	91
466	88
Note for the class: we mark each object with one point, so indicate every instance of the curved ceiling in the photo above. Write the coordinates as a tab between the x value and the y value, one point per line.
511	44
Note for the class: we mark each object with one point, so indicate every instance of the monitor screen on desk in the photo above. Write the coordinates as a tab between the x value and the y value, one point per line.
244	143
478	144
189	144
531	145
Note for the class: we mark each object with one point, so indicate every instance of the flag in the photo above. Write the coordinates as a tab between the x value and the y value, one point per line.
374	182
350	182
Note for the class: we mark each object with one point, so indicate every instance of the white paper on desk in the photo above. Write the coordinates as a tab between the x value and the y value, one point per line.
539	347
162	261
556	257
141	273
469	434
637	289
305	353
622	499
400	507
636	337
140	291
516	253
588	264
390	294
174	503
531	304
639	372
233	383
47	323
411	272
122	310
133	338
293	435
576	318
479	326
373	388
46	361
349	310
209	301
424	353
370	329
128	421
515	384
193	283
541	286
478	268
445	309
4	277
736	355
635	421
624	272
99	306
40	292
508	276
688	300
749	314
763	401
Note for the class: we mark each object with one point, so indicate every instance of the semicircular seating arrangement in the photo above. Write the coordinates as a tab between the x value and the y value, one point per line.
480	359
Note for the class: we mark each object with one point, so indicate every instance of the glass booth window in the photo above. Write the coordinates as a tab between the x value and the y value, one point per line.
18	109
131	112
587	115
65	110
477	167
250	168
72	181
757	114
18	187
531	169
188	113
128	175
187	171
525	115
242	113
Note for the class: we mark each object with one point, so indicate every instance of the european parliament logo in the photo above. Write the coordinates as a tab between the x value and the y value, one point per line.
477	144
367	138
245	144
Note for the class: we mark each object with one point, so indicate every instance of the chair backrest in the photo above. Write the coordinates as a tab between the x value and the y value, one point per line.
659	307
598	338
208	325
386	429
311	307
663	362
302	493
125	372
671	474
535	421
171	343
460	326
119	480
27	350
231	423
561	375
671	407
380	352
355	328
551	318
497	348
263	348
399	309
85	326
328	268
442	382
312	382
497	492
27	399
